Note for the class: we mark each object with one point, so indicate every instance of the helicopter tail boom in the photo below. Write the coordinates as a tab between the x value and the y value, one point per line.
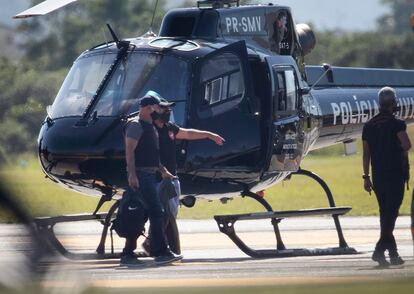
348	98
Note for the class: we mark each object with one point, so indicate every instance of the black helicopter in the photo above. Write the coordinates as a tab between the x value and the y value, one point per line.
235	70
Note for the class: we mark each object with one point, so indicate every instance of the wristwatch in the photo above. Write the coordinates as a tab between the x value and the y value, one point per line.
365	177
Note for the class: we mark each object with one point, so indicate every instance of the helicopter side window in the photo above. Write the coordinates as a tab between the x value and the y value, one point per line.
213	91
222	78
286	95
281	91
291	92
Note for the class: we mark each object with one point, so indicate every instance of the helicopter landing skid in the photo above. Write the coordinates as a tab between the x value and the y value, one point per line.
45	226
226	225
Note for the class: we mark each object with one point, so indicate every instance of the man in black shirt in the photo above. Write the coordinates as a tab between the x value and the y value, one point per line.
143	161
385	145
168	133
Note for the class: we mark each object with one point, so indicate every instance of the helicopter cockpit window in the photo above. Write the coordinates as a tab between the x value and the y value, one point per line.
141	72
81	84
222	78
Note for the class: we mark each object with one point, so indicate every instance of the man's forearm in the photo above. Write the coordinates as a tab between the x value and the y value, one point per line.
162	169
198	135
130	159
365	163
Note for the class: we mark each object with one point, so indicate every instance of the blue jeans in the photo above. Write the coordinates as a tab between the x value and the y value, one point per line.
148	188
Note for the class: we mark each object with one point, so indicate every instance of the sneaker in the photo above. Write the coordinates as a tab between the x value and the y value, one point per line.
128	260
396	260
167	258
380	258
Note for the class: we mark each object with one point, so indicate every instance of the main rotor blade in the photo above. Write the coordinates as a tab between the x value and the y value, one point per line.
43	8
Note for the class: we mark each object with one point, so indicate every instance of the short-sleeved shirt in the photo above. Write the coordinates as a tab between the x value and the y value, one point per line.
384	146
147	151
167	137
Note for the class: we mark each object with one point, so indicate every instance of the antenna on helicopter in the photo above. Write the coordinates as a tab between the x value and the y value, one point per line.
150	32
119	43
114	36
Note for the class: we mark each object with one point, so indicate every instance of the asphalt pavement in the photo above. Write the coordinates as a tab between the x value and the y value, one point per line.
211	258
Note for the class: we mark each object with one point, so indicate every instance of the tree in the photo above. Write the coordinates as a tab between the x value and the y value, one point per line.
367	49
51	44
56	40
25	95
398	20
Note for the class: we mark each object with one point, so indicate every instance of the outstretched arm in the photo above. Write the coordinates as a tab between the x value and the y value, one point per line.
193	134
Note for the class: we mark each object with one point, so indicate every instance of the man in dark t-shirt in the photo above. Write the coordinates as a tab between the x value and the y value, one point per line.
168	133
385	145
143	161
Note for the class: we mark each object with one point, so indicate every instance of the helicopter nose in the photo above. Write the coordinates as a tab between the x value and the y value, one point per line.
64	137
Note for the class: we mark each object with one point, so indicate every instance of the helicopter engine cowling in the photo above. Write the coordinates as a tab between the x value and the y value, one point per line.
307	38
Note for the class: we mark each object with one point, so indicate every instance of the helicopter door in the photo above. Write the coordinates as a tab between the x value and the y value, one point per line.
221	102
288	136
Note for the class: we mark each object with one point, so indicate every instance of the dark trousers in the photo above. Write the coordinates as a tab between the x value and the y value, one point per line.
170	206
389	190
148	188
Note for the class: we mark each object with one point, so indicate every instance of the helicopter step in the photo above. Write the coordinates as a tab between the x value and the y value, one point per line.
45	226
226	225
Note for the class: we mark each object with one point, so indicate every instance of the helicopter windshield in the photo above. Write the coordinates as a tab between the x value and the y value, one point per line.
141	72
81	84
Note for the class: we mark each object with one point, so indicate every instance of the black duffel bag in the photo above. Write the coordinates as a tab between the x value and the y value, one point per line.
131	216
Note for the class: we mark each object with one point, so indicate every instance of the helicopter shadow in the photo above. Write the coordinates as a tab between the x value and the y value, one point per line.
149	263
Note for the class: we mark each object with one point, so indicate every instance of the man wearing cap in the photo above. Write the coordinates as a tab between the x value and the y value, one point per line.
168	133
385	145
143	161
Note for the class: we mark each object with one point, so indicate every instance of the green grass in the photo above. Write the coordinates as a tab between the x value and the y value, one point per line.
383	287
342	173
25	180
395	286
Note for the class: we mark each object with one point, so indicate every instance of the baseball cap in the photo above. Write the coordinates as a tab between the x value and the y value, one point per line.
162	102
165	103
150	98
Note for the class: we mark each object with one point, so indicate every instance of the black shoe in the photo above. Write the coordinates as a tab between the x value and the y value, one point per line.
167	258
396	260
128	260
380	258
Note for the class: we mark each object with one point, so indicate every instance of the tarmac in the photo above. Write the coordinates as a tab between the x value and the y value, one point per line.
211	259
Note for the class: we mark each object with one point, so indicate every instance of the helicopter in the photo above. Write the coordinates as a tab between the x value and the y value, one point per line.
234	70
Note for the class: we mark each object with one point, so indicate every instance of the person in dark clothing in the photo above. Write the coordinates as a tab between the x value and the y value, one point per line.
412	218
168	133
385	145
143	161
